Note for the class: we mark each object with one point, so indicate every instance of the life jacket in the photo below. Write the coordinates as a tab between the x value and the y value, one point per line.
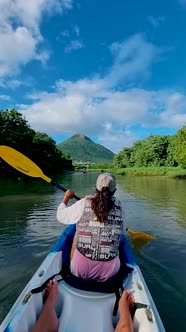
99	240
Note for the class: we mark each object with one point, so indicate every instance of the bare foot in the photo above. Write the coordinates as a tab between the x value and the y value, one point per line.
126	303
48	321
126	309
51	292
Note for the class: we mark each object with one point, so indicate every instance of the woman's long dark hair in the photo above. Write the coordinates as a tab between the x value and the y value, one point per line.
102	203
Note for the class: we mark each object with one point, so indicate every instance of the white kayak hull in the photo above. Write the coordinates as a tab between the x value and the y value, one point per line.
78	310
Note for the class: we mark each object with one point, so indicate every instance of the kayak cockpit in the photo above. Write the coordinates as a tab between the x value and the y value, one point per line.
81	310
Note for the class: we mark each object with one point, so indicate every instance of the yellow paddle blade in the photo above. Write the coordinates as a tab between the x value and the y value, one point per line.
139	235
21	163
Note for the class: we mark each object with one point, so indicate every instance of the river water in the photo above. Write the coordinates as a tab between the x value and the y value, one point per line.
156	205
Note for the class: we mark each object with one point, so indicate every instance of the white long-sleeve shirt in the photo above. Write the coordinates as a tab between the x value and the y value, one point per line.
70	215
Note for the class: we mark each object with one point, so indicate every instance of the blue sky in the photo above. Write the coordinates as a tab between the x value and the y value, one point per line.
113	70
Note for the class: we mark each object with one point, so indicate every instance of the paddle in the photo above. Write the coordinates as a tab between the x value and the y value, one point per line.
23	164
137	235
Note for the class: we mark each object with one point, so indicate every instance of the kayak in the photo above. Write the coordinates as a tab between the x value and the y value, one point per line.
83	305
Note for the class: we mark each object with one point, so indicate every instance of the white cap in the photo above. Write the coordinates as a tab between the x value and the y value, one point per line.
106	180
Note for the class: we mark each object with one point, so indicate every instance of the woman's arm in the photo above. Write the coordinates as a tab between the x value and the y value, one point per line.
71	214
68	195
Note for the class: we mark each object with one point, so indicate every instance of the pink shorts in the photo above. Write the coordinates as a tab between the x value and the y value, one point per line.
86	268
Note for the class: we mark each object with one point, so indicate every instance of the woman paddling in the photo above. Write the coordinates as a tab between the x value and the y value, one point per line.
99	224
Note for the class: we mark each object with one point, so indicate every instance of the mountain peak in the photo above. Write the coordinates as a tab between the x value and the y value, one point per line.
81	136
83	149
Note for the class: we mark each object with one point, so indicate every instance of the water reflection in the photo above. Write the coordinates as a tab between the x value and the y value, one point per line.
165	196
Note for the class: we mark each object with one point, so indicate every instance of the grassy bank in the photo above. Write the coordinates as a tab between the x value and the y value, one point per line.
174	172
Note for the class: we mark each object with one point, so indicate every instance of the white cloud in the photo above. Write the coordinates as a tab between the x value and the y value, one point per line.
71	39
29	13
117	139
132	59
5	97
62	34
156	21
12	84
20	36
77	30
174	114
176	103
81	107
74	45
10	56
96	107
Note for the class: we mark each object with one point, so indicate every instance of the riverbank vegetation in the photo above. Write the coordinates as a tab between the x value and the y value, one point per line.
155	155
39	147
173	172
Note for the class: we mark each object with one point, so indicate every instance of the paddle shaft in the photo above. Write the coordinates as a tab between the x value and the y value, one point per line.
57	185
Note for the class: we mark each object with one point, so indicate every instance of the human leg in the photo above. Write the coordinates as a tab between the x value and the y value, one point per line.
48	321
126	307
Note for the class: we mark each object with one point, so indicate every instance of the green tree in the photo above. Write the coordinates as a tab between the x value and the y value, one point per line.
157	150
180	147
67	155
171	161
139	156
14	130
123	158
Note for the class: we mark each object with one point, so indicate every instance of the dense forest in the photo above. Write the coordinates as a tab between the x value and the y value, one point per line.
156	151
39	147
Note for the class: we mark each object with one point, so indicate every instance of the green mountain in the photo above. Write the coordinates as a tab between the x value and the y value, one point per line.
83	149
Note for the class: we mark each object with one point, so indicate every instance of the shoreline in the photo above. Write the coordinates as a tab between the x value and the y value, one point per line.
172	172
